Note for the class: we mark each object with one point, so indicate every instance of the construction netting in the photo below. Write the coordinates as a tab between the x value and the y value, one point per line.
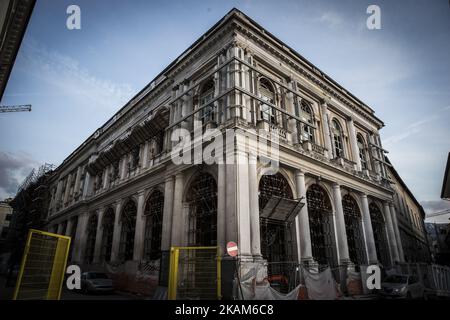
194	273
43	266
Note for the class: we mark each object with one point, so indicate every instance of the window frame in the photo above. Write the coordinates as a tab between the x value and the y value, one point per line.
338	141
206	95
361	143
266	91
307	132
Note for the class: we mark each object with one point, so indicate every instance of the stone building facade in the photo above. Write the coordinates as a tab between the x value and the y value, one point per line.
124	200
411	221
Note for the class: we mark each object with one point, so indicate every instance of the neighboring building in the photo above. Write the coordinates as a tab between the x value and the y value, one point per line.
5	219
14	17
439	239
30	209
445	193
125	202
410	217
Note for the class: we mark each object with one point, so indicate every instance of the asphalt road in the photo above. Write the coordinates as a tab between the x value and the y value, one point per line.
6	293
73	295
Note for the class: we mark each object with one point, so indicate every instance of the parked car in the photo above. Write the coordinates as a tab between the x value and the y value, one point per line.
402	286
95	282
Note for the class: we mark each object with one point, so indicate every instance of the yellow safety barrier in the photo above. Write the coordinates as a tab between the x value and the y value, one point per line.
43	266
194	273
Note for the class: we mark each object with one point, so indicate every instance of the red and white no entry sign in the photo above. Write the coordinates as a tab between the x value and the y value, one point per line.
232	249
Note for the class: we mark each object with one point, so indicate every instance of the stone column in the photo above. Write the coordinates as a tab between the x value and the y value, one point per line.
99	236
375	153
381	155
177	215
221	206
254	206
123	167
243	204
390	228
368	231
80	238
138	250
76	188
292	123
326	130
247	87
145	155
87	185
231	218
240	82
185	109
59	229
116	232
67	191
58	193
344	256
69	228
167	213
354	143
397	233
106	177
302	220
185	215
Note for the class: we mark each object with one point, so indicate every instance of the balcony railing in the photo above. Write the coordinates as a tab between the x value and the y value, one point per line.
318	149
278	130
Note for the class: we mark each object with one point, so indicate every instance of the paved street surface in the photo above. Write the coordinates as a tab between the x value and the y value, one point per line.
6	293
70	295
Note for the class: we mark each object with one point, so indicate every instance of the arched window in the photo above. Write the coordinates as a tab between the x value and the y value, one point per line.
355	239
207	114
307	116
267	94
337	139
107	235
128	221
90	239
379	234
202	200
277	237
362	151
321	226
153	225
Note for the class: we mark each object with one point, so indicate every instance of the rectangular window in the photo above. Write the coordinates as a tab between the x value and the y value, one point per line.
207	113
338	146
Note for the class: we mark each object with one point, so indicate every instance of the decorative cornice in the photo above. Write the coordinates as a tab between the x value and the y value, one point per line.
314	75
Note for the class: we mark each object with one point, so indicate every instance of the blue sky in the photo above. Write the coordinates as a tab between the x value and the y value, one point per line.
77	79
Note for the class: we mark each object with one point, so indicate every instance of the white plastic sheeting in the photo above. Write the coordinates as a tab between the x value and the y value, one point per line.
320	285
254	287
266	292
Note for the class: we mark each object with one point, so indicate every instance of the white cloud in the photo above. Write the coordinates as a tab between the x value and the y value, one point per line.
415	127
332	19
67	75
14	167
